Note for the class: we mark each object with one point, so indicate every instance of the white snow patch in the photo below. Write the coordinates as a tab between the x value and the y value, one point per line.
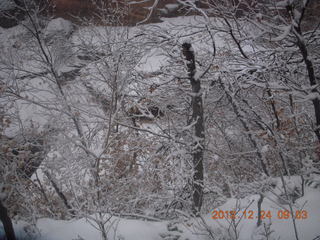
58	26
172	6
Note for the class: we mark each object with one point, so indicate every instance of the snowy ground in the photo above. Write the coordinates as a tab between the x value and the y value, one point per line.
243	227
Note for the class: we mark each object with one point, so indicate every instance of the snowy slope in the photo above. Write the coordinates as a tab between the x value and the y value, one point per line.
129	229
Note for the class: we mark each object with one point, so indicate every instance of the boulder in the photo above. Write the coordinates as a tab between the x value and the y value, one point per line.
58	27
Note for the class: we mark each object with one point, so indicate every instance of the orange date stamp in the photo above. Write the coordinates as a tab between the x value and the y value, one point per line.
250	214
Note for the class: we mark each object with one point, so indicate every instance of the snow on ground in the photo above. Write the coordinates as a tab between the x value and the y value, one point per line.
308	228
124	229
195	228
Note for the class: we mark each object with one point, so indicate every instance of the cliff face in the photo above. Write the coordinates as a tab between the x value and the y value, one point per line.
71	5
135	11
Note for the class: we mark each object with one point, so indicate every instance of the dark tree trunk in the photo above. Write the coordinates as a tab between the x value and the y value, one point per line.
197	120
310	69
6	222
237	110
313	83
60	193
259	210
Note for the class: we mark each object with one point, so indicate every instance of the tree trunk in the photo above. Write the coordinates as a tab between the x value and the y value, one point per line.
301	43
6	222
60	193
197	120
237	110
259	210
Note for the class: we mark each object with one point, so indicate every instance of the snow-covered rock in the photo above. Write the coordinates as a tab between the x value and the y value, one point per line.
6	5
58	27
171	7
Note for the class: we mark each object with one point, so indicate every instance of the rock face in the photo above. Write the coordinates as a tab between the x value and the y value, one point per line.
136	11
